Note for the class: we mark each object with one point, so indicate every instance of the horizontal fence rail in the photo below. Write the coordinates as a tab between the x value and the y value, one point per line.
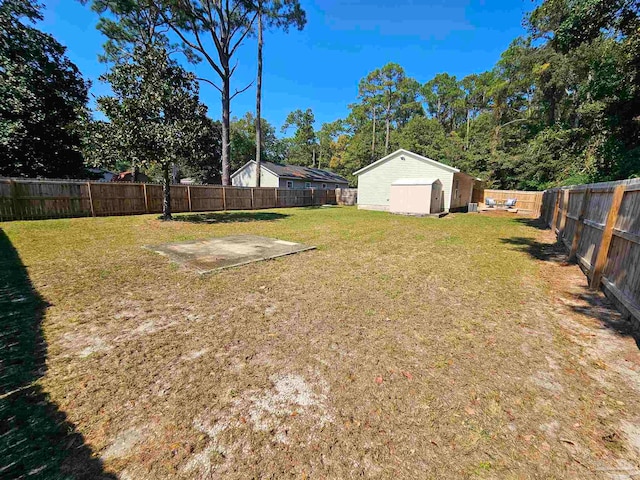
599	225
29	199
527	201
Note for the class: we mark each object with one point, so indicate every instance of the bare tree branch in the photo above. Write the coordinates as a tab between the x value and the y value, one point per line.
206	80
238	92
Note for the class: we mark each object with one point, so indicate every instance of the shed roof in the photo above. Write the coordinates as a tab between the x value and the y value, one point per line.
416	181
407	152
297	172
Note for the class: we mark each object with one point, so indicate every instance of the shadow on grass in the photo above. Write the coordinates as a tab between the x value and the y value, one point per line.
549	252
230	217
538	223
581	299
36	440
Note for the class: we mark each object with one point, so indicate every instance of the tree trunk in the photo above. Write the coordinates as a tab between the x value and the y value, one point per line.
388	120
259	99
466	138
373	138
166	193
175	173
226	143
134	172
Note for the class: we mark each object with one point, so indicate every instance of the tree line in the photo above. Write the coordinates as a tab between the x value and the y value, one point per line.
562	105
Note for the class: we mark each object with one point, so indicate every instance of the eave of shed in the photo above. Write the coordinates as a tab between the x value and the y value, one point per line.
415	181
406	152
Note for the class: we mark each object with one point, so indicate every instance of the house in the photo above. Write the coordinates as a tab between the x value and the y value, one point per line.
375	180
101	174
128	177
287	176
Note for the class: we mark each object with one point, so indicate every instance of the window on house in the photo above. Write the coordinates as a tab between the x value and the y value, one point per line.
289	184
324	186
337	186
307	184
456	185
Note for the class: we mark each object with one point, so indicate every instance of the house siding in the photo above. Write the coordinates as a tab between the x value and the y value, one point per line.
461	199
374	185
246	177
299	184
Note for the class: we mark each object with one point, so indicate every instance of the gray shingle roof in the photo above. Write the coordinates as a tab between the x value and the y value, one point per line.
303	173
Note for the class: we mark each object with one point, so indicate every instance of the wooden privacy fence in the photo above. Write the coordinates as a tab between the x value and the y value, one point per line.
528	202
23	199
347	196
599	224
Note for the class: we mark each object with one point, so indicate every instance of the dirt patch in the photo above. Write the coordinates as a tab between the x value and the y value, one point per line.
292	406
604	348
125	442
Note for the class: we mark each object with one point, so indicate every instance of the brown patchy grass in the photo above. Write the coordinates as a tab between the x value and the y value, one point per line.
402	347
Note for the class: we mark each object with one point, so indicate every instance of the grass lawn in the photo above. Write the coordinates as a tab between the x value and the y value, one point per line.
401	347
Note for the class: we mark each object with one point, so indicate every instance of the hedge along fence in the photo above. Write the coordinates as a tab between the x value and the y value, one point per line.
599	224
24	199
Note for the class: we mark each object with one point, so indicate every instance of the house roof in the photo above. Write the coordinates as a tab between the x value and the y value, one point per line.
415	181
296	172
411	154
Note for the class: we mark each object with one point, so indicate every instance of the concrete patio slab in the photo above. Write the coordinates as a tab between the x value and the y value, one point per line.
213	254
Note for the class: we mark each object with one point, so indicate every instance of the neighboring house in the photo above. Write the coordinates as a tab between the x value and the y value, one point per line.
128	177
101	174
287	176
375	180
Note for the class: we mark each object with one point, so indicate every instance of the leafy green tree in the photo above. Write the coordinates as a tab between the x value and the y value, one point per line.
206	165
351	153
303	145
42	99
327	141
127	25
155	114
243	134
389	90
445	100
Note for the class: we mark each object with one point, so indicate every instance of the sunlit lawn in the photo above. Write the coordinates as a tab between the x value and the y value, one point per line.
406	347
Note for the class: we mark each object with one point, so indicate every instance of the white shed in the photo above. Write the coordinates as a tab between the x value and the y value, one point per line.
416	196
375	180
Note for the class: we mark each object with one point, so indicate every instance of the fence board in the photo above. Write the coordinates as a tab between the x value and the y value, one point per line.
609	251
26	199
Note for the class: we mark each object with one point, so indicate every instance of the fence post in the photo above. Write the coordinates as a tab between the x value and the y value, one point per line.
146	199
555	211
14	199
607	234
253	205
565	211
189	197
276	193
93	212
224	199
575	244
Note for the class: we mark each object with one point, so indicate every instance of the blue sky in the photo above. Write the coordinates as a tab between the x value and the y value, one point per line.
319	67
